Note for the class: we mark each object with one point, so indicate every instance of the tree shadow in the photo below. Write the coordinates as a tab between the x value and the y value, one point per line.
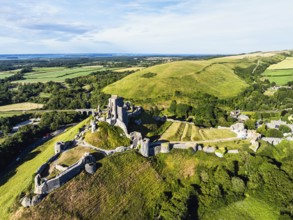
10	171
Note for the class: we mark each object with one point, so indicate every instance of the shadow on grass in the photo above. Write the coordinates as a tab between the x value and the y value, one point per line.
98	156
11	170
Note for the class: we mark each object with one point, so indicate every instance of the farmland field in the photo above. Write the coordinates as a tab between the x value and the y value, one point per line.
20	107
10	113
285	64
129	69
280	73
5	74
188	132
57	74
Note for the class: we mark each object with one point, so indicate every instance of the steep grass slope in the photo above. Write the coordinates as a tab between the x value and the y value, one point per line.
215	77
20	179
124	187
128	186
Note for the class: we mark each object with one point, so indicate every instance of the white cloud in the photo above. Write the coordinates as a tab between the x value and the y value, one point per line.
165	26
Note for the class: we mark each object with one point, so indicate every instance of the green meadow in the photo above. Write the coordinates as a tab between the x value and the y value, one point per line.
57	74
280	77
280	73
5	74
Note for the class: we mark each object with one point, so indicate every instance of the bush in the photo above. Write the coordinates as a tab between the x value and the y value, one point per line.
274	133
284	129
250	124
148	75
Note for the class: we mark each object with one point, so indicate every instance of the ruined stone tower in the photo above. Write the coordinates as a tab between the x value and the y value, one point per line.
117	109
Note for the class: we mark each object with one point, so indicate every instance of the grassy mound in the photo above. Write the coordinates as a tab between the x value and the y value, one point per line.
124	187
107	137
215	77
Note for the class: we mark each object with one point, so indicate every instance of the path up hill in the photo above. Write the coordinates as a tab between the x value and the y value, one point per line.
215	76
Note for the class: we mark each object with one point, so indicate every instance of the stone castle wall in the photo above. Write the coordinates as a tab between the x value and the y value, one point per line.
49	185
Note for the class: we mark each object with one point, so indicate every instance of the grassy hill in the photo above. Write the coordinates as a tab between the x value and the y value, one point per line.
124	187
20	179
215	77
128	186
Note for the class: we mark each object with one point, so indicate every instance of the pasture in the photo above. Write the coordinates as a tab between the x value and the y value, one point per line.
24	106
129	69
57	74
180	131
285	64
5	74
280	73
10	113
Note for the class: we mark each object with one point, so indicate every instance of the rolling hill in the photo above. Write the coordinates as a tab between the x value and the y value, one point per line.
215	77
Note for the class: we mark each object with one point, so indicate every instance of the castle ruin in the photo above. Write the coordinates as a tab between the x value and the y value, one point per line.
44	186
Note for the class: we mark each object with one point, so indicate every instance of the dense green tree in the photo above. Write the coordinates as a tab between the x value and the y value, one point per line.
284	129
250	124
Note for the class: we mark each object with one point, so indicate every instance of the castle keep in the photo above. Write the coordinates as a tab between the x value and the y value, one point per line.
117	110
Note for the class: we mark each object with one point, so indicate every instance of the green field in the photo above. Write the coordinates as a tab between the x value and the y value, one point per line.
280	77
188	132
20	179
57	74
280	73
10	113
215	77
24	106
5	74
285	64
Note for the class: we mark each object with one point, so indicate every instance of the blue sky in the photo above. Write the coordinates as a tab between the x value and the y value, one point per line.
141	26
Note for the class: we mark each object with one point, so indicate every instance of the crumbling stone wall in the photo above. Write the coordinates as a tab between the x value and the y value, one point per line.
43	186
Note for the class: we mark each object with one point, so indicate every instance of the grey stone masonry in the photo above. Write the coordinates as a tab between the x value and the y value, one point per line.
144	148
43	186
117	110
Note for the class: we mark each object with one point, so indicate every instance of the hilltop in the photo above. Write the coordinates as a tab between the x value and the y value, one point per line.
178	185
217	77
